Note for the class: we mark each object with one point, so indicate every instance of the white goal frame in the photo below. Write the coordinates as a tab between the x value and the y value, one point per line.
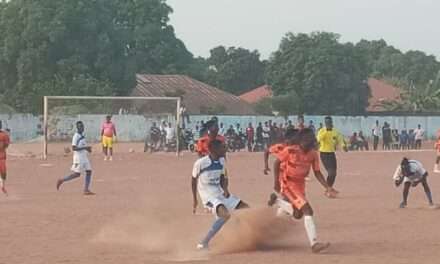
46	107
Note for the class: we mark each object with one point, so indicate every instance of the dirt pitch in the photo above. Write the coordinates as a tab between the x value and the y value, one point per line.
142	213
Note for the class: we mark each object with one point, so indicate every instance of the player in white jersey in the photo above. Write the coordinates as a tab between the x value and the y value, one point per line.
411	173
81	161
209	180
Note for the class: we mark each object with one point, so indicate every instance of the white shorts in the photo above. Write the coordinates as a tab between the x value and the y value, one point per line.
230	203
81	167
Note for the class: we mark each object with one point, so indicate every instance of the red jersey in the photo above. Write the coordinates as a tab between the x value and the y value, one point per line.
4	143
203	144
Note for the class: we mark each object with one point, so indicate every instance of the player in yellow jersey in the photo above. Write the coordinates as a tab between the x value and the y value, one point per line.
329	139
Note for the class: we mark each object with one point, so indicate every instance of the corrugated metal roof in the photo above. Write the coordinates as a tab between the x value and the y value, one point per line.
381	92
197	95
257	94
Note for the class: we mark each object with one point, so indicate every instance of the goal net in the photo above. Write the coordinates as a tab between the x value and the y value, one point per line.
133	118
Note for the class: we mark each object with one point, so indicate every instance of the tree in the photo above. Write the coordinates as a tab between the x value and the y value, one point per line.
235	70
325	76
63	47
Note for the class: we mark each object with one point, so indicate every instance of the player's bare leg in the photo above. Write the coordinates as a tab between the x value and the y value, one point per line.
3	184
87	182
67	178
111	153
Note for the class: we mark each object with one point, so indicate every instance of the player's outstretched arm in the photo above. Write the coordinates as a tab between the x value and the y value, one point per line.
266	162
276	175
194	193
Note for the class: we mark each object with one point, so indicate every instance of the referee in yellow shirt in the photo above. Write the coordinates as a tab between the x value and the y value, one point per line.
329	139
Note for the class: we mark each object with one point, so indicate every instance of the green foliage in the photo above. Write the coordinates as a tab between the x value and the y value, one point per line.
321	75
64	47
235	70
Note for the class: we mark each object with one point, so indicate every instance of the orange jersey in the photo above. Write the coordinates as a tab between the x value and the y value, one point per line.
277	149
203	144
298	163
4	142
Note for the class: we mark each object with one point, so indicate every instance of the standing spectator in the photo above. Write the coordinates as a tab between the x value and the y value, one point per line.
266	134
404	139
238	129
320	127
290	125
300	121
312	126
108	134
376	135
273	134
387	137
396	139
222	130
154	141
411	139
250	137
170	134
419	136
259	133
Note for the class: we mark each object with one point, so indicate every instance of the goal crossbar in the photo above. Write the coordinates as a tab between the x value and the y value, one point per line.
46	107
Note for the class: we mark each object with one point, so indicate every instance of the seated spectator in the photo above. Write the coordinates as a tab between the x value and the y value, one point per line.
354	142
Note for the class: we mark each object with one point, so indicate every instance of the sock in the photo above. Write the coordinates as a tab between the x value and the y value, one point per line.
216	226
70	177
88	181
310	229
429	195
284	207
2	184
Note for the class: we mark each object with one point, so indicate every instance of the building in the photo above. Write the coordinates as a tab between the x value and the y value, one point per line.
381	92
257	94
198	97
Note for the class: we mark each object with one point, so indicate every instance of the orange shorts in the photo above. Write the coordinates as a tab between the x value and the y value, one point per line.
2	167
295	192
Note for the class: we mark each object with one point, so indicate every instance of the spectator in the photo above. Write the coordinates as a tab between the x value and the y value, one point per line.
387	137
396	139
222	129
230	133
259	133
419	136
312	126
154	142
290	125
363	140
273	134
376	135
411	139
266	134
354	143
300	121
238	129
250	137
404	139
170	134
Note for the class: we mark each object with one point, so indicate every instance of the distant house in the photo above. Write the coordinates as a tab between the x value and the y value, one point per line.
381	92
257	94
198	97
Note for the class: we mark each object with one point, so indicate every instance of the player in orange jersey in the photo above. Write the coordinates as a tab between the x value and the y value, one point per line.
4	144
299	159
203	142
437	148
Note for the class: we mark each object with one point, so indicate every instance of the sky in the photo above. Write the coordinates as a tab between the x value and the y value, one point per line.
261	24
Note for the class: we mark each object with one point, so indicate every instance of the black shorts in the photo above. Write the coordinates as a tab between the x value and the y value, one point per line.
329	160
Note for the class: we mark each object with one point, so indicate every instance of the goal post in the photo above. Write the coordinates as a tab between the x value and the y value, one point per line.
136	111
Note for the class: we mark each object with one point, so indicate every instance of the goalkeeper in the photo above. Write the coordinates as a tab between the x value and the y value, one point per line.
411	173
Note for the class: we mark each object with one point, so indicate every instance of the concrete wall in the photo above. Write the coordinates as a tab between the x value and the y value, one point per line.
26	127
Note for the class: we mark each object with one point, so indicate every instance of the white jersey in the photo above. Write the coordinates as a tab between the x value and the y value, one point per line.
417	172
209	172
80	156
420	134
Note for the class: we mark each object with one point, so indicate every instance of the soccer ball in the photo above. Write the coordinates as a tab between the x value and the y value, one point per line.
131	150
